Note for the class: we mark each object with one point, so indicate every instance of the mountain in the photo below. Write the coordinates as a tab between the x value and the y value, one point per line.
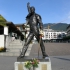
58	26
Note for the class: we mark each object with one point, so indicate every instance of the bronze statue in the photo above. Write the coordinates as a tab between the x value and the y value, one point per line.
35	22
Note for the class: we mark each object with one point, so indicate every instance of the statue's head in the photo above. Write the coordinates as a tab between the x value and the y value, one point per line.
32	9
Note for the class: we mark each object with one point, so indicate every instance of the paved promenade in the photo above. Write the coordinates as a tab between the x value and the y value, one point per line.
57	62
52	49
59	54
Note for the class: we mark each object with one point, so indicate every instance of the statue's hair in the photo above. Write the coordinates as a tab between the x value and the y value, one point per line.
32	7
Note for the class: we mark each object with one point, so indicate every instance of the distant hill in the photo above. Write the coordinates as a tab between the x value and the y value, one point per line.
58	26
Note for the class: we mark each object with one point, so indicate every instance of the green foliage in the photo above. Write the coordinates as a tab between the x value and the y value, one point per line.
28	64
33	63
2	19
2	23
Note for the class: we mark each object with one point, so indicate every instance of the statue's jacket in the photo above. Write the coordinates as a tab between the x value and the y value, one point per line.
35	22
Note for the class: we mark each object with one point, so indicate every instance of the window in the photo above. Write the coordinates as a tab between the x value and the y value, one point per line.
1	29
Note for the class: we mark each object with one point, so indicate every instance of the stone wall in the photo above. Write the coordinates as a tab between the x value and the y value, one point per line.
8	40
1	40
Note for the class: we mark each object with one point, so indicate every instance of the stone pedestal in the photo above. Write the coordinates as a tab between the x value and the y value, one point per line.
44	64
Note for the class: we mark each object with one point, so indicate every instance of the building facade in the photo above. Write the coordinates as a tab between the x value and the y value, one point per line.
68	30
53	34
50	34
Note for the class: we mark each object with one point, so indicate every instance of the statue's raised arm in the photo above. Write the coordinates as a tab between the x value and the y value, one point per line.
28	7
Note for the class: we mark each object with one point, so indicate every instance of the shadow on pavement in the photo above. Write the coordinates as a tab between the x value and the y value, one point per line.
62	58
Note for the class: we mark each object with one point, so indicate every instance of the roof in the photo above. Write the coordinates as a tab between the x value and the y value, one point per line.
2	19
11	25
13	28
19	24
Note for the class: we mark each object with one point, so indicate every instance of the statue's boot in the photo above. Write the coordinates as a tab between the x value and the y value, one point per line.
45	55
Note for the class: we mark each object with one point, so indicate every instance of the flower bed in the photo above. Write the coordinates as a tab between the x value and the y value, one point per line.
33	63
2	49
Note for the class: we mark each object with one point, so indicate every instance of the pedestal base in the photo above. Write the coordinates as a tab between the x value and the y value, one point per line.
44	64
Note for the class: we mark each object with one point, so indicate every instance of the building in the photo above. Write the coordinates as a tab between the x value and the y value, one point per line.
24	29
68	30
50	34
21	28
7	32
67	38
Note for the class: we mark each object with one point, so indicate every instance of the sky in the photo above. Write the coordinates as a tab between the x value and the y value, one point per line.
51	11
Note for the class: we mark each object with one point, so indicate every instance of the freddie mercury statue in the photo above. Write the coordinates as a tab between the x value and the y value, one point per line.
35	22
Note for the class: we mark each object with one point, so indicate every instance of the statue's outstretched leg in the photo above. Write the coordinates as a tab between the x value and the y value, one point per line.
25	47
42	46
43	49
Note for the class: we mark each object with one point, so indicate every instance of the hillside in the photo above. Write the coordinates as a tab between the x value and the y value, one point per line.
58	26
